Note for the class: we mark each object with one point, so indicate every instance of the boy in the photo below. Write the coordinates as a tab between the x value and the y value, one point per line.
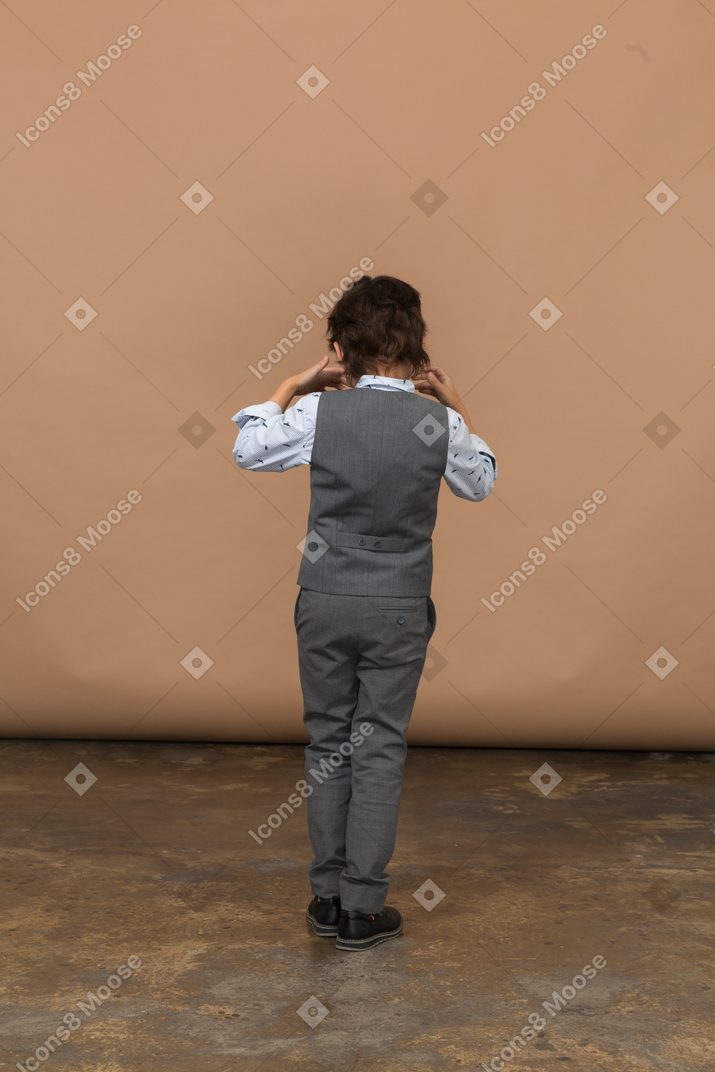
377	451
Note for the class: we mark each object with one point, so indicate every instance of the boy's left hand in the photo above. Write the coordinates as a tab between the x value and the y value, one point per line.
318	377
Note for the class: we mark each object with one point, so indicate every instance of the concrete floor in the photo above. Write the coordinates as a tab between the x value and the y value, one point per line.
155	861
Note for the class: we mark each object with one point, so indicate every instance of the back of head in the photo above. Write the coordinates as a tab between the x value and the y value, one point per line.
378	322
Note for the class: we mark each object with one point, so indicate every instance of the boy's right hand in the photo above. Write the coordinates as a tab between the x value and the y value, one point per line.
435	382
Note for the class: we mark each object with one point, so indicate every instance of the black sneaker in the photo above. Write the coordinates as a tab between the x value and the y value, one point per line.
356	930
323	915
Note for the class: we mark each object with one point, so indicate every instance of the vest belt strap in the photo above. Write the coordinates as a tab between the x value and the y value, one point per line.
370	543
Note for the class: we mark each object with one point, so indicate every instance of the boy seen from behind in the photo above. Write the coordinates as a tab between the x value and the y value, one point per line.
380	431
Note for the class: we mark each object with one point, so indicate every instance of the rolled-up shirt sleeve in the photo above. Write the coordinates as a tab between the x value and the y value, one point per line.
273	441
471	466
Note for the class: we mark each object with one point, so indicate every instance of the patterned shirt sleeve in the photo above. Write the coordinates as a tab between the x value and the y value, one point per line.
273	441
471	467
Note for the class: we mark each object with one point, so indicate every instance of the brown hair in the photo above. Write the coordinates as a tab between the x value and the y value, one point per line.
378	319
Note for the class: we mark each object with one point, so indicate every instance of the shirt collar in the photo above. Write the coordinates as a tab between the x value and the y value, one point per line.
385	381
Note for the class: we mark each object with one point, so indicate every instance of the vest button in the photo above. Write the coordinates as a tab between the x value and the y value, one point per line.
400	621
362	542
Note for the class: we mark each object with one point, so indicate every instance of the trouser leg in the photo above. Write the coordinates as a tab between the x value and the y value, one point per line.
327	656
389	670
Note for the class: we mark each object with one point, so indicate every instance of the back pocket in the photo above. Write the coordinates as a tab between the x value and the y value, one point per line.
399	610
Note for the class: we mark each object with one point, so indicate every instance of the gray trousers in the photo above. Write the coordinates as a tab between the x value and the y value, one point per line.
360	659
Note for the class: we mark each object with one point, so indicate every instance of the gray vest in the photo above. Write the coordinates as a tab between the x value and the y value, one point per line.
376	466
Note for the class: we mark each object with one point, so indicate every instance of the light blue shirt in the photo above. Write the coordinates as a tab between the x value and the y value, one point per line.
274	441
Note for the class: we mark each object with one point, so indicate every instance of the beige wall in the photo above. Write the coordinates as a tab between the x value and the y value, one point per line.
617	395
